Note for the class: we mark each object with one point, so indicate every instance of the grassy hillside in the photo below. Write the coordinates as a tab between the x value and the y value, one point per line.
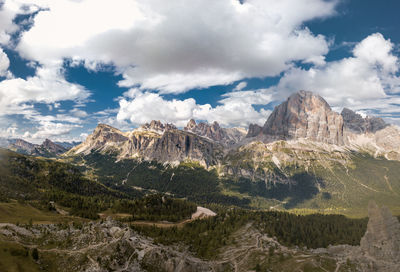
24	213
309	179
189	179
306	180
31	188
16	258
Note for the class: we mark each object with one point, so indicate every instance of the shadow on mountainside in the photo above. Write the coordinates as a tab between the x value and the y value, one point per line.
302	187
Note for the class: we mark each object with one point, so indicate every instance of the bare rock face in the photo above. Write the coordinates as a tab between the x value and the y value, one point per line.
305	115
254	130
102	136
213	131
355	123
176	146
157	126
225	136
53	147
154	141
22	146
382	239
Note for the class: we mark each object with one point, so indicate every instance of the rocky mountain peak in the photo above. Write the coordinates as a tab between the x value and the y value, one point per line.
304	115
24	145
213	131
105	133
254	130
103	129
357	124
46	149
191	124
157	126
51	147
382	238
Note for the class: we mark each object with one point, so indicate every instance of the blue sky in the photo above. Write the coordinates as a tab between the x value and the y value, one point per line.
67	65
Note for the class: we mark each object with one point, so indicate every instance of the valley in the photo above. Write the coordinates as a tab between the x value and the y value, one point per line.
289	196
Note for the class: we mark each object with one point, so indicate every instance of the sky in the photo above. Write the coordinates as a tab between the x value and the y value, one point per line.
67	65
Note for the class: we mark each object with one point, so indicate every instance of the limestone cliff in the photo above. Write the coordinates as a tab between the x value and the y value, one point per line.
354	122
154	141
225	136
304	115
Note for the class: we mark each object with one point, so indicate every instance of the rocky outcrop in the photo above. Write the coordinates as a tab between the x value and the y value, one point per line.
305	115
379	249
213	131
383	143
104	136
225	136
355	123
176	146
254	130
51	147
22	146
153	141
157	126
382	238
106	245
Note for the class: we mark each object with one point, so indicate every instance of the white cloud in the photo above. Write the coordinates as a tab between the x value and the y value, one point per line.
366	81
47	86
50	129
12	130
8	11
176	45
78	113
4	63
240	86
235	109
151	106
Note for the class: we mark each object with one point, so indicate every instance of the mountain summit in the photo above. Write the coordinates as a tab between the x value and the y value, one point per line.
214	132
303	115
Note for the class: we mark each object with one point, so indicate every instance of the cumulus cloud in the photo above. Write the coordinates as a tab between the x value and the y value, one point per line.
47	86
365	81
49	129
4	63
8	11
151	106
235	109
174	46
240	86
78	113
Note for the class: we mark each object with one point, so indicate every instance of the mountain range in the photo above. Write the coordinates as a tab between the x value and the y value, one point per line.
303	118
46	149
305	156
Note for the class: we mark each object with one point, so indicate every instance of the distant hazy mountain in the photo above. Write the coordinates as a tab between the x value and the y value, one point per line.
46	149
68	145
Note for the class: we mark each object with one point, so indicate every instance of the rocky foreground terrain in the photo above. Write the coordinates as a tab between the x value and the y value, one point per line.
112	246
